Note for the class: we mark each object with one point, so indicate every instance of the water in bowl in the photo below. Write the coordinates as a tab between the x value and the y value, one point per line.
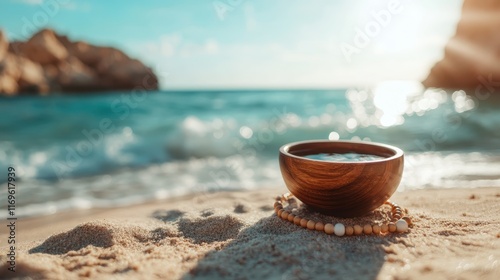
346	157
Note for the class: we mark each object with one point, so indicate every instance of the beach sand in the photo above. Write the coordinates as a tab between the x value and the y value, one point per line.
236	235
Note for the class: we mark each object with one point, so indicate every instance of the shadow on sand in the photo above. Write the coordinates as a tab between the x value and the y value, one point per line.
275	249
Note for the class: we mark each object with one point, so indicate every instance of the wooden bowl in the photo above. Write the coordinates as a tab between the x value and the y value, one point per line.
343	189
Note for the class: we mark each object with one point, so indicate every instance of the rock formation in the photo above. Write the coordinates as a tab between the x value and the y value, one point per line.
4	45
49	62
472	56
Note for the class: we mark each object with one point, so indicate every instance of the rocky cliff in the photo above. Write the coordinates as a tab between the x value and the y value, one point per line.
49	62
472	56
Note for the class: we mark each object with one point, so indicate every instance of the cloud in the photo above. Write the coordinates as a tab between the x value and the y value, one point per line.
250	20
209	47
66	4
309	62
30	2
169	44
171	55
173	45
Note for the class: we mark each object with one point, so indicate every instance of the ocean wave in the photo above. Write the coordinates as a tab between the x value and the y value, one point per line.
136	185
205	175
173	144
193	137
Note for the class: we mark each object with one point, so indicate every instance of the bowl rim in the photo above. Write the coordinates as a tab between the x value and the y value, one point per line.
284	150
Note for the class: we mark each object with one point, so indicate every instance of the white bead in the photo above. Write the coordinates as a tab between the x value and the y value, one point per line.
401	226
339	229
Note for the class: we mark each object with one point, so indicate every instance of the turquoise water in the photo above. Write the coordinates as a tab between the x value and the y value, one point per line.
101	150
346	157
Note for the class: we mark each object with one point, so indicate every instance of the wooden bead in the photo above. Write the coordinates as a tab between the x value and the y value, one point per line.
367	229
303	223
329	229
392	227
311	224
284	215
339	229
399	221
349	230
358	230
401	226
320	226
384	228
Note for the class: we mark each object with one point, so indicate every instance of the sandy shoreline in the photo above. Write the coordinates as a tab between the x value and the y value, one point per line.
236	235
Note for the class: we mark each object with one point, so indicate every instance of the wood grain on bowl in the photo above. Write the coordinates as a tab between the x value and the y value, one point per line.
343	189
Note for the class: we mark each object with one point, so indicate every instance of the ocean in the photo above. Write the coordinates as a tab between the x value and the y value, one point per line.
122	148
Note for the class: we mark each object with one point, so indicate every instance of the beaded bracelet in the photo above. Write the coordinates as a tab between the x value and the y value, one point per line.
399	222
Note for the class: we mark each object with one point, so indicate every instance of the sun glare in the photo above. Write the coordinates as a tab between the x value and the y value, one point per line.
391	98
402	34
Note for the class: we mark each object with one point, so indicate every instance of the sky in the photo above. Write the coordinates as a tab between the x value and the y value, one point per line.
206	44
